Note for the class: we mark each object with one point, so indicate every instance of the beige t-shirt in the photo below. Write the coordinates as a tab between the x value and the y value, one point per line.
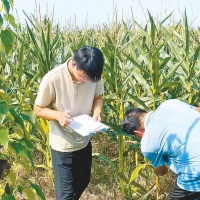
56	88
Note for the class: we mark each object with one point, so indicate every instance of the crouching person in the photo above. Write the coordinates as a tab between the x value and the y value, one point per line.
170	136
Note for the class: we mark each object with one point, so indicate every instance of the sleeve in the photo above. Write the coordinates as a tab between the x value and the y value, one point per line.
46	93
156	159
99	88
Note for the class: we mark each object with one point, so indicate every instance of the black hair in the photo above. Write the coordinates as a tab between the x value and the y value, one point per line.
91	61
131	120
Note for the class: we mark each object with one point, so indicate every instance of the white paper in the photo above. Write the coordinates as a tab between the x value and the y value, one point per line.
85	125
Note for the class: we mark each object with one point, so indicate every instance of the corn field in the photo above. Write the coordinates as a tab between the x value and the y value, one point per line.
144	66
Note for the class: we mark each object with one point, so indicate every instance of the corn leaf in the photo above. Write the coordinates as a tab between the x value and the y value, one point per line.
136	172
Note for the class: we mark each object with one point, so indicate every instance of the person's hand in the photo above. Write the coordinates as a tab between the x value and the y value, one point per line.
97	117
161	170
65	118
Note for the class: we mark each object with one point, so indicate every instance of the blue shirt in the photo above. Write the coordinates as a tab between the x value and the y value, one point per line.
172	136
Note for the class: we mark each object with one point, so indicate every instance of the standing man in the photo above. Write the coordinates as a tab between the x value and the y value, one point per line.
170	136
75	86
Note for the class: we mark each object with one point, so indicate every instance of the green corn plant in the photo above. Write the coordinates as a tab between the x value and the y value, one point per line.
18	149
42	43
117	98
189	67
18	123
160	82
116	76
150	64
16	117
6	33
148	73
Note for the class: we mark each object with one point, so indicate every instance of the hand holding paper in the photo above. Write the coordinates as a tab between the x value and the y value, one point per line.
85	125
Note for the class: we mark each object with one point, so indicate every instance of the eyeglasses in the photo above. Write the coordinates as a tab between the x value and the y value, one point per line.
81	76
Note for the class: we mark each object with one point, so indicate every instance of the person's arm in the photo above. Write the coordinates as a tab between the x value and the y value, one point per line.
97	107
63	118
156	159
161	170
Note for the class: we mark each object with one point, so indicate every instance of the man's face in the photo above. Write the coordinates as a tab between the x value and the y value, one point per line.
79	75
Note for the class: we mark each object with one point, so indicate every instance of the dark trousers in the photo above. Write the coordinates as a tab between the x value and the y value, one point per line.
179	194
71	172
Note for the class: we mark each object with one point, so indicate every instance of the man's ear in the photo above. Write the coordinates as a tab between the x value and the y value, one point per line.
73	64
139	133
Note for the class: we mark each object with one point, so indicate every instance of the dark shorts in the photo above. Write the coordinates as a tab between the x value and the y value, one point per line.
71	172
179	194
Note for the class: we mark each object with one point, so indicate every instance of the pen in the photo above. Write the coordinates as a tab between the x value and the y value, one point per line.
66	111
